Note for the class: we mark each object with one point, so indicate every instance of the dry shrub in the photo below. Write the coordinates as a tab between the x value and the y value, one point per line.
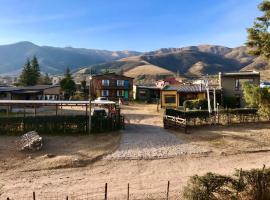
251	184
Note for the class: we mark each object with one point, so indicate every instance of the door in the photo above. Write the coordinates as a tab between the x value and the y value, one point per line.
126	95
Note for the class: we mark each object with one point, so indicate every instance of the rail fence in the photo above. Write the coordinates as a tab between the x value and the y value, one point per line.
176	119
101	193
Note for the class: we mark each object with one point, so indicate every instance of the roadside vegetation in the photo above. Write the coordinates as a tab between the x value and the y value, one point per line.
251	184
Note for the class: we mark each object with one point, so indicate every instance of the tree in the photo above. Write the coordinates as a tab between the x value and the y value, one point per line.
35	70
68	85
257	97
25	77
45	79
258	35
31	73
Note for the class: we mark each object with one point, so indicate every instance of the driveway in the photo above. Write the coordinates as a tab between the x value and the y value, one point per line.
145	138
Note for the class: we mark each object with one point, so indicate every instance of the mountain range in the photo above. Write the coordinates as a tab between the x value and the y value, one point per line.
54	59
186	61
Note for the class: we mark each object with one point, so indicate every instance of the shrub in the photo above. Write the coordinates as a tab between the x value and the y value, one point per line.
230	102
251	184
196	104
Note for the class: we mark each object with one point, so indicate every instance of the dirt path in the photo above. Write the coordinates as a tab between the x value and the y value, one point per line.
147	178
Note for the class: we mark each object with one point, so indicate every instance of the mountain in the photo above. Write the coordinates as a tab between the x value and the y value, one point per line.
187	61
54	59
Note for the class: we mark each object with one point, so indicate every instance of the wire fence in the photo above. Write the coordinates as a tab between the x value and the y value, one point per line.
102	193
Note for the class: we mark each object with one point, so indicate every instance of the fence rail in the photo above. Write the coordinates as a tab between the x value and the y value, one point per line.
176	119
100	194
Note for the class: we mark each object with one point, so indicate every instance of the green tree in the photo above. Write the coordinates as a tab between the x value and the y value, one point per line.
25	77
45	79
35	71
257	97
68	85
258	35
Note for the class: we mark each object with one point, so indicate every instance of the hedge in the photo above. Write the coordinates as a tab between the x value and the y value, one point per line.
58	124
205	113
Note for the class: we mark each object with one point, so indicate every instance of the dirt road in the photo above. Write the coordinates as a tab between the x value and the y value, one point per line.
147	178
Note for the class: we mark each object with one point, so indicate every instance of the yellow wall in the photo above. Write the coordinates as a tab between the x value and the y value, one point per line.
171	93
177	95
201	96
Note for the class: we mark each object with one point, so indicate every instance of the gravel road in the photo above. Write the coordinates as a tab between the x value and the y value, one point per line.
146	139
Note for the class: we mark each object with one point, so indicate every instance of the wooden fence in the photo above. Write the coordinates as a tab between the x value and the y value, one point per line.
65	124
102	194
175	119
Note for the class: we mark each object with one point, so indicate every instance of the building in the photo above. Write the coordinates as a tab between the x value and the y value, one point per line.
149	94
231	84
167	81
175	95
112	86
37	92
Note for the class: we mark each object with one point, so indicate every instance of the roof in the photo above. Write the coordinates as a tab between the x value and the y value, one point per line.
147	87
111	74
27	89
189	88
242	73
48	102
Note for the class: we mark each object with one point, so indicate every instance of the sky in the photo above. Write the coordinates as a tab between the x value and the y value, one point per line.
140	25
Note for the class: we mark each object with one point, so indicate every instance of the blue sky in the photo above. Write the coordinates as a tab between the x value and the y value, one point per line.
140	25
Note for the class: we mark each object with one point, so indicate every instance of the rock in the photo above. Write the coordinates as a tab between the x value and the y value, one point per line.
50	155
30	141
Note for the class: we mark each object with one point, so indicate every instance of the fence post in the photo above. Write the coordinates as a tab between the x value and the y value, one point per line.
168	189
128	192
34	196
7	198
67	198
106	190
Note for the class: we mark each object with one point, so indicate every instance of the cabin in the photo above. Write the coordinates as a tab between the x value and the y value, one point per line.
149	94
113	86
231	84
37	92
173	96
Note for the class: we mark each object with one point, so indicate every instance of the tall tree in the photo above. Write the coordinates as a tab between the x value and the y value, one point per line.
258	35
68	85
35	70
25	77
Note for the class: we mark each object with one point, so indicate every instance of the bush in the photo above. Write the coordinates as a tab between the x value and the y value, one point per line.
243	185
230	102
196	104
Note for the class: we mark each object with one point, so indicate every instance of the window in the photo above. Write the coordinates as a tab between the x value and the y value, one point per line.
104	93
105	82
120	93
170	99
239	82
120	82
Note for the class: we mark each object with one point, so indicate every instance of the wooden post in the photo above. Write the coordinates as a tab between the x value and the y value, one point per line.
7	198
24	111
168	189
35	111
67	198
106	190
56	109
34	196
128	192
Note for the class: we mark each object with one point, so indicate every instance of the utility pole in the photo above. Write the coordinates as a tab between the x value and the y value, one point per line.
208	94
90	120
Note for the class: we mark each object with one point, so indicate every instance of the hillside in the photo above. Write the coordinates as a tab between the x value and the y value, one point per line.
187	61
54	59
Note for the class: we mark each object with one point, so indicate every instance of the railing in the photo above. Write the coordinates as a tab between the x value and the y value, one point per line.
174	122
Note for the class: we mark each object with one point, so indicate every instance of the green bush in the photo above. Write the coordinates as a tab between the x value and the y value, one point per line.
251	184
230	102
196	104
